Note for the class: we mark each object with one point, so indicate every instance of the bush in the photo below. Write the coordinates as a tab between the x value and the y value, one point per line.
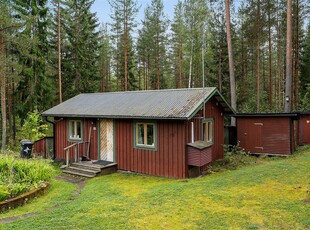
234	157
20	175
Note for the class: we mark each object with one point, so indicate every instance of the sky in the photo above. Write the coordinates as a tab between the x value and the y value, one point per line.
102	7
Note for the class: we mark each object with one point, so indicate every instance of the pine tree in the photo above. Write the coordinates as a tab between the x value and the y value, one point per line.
123	16
105	60
80	48
304	71
195	18
178	34
153	38
33	89
288	79
233	97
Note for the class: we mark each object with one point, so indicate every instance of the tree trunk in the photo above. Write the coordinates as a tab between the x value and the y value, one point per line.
190	64
233	98
270	56
296	88
10	92
258	58
180	64
125	49
288	82
59	55
3	91
157	61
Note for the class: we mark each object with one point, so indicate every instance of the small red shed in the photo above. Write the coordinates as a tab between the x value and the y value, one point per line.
269	133
304	128
151	132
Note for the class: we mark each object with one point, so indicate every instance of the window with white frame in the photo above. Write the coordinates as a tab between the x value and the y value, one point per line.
208	131
145	134
75	130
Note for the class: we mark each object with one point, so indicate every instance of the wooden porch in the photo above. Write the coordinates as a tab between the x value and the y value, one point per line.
90	169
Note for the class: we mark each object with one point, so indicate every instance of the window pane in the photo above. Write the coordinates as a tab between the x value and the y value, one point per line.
206	131
140	136
150	134
71	129
78	129
210	124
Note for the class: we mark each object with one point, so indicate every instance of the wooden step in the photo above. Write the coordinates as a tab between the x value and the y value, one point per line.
88	166
87	170
67	170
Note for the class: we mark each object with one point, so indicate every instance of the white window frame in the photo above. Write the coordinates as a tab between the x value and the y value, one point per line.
208	130
144	143
74	136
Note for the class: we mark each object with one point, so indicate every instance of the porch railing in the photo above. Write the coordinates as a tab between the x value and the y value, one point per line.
76	149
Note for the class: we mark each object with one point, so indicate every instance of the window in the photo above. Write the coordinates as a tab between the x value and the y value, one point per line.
145	135
208	131
75	130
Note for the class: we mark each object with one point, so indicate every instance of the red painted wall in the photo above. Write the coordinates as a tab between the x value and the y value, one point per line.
304	130
213	110
265	134
169	158
61	138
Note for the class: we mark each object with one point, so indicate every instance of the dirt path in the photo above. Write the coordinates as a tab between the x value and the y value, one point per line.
79	181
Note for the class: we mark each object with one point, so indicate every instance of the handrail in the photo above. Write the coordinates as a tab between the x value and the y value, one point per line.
70	146
76	151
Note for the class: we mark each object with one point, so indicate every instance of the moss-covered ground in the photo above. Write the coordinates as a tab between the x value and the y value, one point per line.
272	194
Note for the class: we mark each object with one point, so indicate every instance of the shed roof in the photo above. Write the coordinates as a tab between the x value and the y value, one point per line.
291	115
151	104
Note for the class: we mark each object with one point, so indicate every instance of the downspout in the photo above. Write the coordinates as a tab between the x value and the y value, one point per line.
54	139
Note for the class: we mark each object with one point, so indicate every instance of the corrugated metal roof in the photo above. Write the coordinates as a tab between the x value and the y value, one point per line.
159	104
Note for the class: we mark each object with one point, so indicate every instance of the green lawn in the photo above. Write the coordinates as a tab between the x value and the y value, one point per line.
273	194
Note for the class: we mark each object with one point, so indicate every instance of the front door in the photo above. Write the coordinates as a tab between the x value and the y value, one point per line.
106	140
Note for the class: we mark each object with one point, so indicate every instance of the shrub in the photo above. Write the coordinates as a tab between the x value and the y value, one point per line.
21	175
34	128
234	157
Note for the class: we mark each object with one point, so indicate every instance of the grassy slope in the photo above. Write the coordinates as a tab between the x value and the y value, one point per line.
271	195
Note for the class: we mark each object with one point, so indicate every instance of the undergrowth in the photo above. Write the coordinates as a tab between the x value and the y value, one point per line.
21	175
234	158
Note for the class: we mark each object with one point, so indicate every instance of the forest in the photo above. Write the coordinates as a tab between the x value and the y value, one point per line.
52	50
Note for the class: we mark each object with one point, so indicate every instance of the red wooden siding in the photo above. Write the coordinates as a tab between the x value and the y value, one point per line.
215	111
304	132
265	134
61	141
199	157
39	147
169	158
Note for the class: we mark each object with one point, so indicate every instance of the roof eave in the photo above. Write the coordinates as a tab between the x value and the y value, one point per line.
113	117
215	91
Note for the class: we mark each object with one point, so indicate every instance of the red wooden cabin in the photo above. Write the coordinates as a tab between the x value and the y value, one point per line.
269	133
151	132
304	128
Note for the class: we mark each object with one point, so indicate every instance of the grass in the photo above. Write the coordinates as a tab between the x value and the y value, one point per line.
272	194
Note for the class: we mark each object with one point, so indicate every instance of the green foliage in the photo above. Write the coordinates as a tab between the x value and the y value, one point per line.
305	71
30	49
305	102
234	157
33	128
20	175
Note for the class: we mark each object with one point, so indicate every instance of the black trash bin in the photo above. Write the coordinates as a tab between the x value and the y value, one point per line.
26	149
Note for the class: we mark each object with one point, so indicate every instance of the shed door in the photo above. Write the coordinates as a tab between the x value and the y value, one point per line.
257	137
106	140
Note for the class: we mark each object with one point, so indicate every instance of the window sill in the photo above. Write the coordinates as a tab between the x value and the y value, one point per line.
74	140
145	147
